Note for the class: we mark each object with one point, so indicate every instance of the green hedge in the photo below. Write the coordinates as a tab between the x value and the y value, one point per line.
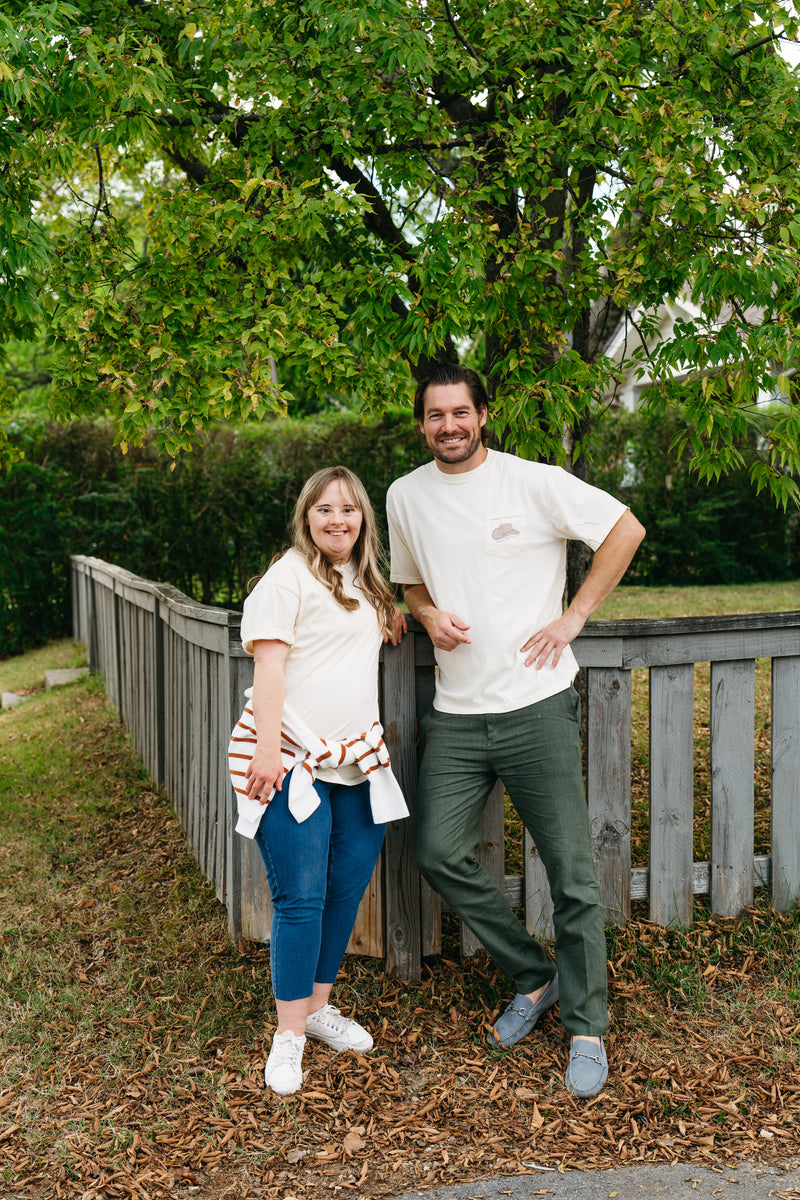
211	523
697	533
206	526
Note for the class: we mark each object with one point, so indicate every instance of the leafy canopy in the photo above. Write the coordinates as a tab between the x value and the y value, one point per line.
201	201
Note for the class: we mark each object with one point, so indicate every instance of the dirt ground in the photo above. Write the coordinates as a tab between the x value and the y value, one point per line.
135	1067
429	1107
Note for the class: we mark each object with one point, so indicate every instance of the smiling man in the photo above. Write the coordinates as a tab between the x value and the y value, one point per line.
479	540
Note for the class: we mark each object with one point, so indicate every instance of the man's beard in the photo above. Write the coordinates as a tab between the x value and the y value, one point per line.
455	454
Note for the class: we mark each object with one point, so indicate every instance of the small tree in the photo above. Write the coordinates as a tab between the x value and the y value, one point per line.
351	190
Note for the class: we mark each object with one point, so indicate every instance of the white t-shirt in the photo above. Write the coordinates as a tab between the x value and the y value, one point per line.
331	676
490	545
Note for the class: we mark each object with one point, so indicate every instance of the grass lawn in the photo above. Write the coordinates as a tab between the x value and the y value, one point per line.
627	603
133	1033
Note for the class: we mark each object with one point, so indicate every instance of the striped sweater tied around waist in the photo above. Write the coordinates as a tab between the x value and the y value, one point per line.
301	747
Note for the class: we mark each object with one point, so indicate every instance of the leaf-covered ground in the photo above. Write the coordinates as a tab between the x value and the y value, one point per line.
133	1034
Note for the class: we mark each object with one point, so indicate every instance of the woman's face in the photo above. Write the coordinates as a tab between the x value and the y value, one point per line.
334	522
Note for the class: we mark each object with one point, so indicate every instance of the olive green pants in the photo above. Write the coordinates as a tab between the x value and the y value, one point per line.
536	753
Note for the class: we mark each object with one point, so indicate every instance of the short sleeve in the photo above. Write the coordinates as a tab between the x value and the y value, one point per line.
579	511
403	568
271	610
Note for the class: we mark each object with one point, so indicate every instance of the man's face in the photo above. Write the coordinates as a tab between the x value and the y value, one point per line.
452	427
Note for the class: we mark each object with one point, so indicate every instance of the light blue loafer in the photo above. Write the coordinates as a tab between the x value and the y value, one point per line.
521	1016
587	1070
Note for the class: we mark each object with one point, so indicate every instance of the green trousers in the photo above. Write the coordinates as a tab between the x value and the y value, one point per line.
536	752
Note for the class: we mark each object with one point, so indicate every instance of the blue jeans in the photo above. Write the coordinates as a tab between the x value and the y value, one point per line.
317	870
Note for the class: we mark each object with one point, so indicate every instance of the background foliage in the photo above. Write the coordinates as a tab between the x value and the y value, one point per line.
217	211
214	521
709	532
206	526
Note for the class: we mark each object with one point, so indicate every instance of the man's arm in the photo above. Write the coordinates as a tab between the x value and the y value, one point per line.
445	629
610	562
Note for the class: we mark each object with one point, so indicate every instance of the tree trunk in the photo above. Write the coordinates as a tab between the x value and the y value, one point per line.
579	556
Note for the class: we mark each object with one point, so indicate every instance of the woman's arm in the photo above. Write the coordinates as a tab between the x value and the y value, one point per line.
265	769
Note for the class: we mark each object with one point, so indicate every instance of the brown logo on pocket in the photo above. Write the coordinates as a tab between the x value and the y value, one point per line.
504	531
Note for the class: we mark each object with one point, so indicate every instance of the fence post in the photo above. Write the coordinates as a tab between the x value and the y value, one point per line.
401	891
608	785
430	902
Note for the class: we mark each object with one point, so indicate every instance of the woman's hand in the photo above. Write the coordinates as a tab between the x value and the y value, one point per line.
264	772
398	628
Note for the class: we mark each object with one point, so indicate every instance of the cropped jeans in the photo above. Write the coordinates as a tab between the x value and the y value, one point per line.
317	870
536	752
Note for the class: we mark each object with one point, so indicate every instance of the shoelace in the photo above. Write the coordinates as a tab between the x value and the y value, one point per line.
332	1019
286	1054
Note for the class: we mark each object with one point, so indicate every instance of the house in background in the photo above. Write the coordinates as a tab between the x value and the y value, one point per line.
627	341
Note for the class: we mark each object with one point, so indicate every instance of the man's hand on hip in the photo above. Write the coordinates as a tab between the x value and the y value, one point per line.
553	639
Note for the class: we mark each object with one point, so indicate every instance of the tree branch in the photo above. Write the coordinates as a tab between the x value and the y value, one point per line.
192	167
630	317
773	37
379	219
473	53
102	201
28	379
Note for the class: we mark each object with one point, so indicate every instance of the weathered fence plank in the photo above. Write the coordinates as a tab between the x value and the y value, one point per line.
402	898
192	719
248	899
490	853
671	793
536	892
732	796
785	782
608	785
221	779
430	905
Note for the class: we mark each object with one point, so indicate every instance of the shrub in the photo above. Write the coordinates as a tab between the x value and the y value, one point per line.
215	520
206	526
697	533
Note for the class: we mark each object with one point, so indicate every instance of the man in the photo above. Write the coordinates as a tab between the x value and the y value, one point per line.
478	541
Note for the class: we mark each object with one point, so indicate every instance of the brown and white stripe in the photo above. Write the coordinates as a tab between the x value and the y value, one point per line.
300	746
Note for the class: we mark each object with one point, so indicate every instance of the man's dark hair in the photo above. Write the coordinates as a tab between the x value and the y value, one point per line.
444	373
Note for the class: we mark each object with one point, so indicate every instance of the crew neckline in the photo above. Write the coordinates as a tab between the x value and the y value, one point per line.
458	478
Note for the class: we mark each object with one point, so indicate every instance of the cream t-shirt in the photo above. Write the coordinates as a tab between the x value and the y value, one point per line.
331	675
490	546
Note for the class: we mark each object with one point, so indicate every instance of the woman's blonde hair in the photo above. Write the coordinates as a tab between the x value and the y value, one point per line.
367	554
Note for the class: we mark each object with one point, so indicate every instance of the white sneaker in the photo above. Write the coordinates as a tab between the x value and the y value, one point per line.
329	1026
284	1070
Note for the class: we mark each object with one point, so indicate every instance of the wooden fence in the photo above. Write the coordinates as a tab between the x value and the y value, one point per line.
177	673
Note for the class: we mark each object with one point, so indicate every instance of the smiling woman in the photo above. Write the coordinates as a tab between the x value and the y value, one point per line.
311	772
334	522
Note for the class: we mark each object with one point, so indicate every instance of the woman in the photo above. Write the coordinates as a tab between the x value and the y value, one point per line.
312	775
